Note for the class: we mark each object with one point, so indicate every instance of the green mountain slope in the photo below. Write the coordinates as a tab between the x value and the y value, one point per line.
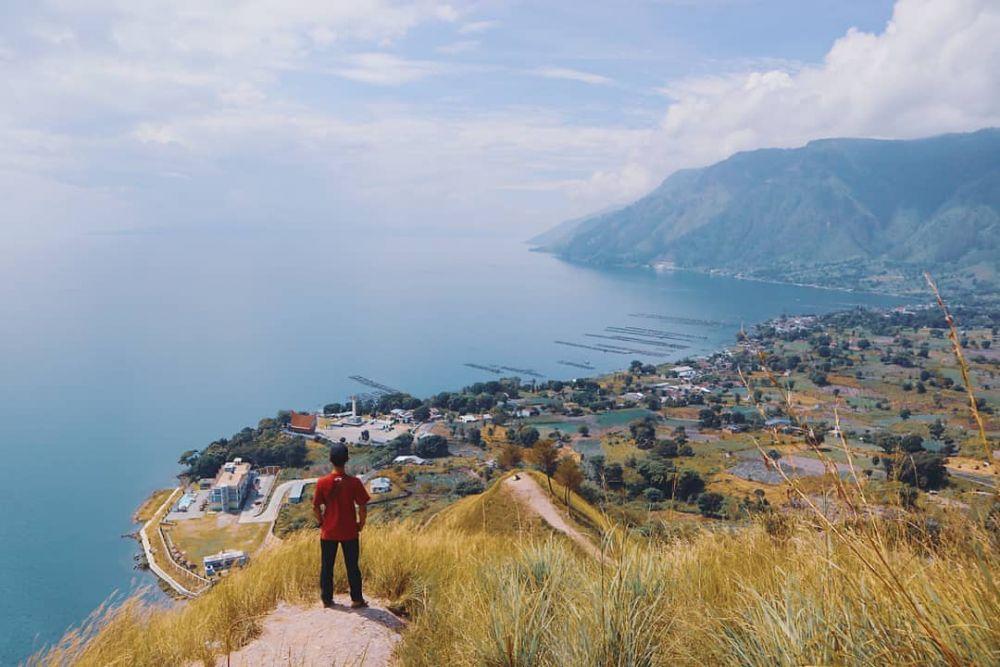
854	212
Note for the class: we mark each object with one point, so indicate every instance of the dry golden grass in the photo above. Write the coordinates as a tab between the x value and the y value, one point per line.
779	592
150	505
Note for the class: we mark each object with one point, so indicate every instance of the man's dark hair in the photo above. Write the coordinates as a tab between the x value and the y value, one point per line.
338	454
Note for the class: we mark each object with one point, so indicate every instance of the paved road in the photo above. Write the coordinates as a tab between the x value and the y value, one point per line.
270	514
981	480
151	556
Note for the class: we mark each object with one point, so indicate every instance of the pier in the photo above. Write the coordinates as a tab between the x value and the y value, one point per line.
574	364
613	349
377	386
680	320
488	369
655	333
632	339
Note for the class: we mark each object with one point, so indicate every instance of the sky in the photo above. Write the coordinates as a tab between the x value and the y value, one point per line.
484	117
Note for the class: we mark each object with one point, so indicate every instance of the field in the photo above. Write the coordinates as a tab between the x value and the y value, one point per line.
213	533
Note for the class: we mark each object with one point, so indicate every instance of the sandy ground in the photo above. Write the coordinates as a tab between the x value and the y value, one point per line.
311	636
527	491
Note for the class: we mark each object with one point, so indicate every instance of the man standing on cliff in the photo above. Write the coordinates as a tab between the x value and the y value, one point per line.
334	504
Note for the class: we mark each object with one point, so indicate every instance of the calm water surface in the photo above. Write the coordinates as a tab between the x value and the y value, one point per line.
119	352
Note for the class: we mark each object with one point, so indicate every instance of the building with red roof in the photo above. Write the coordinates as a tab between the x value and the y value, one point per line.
302	423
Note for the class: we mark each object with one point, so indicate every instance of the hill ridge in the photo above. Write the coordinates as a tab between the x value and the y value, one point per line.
856	212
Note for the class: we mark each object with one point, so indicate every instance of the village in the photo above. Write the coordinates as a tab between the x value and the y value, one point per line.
705	439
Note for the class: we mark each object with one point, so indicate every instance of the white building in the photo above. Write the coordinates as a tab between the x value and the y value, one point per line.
410	459
230	487
381	485
685	372
223	561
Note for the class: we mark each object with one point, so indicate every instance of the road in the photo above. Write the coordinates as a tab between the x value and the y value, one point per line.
532	496
981	480
270	514
148	549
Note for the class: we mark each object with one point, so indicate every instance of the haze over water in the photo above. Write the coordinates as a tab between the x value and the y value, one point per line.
119	352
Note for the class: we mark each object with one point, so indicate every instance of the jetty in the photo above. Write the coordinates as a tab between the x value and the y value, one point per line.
488	369
633	339
655	333
523	371
574	364
680	320
377	386
613	349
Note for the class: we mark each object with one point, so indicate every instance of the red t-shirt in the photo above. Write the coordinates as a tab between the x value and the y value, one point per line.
338	493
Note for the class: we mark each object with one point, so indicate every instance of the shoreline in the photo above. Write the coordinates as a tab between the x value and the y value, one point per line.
722	273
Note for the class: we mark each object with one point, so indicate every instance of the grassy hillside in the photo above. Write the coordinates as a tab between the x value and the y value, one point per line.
859	212
792	591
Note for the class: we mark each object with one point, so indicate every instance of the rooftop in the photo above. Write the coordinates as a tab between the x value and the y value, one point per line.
232	473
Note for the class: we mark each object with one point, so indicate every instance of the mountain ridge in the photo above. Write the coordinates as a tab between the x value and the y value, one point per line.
854	212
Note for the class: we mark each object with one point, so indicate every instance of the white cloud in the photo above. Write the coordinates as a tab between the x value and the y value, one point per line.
384	69
203	90
571	75
476	27
933	69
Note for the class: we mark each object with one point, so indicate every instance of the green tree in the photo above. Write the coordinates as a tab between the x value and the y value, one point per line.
528	436
545	456
570	475
710	503
431	446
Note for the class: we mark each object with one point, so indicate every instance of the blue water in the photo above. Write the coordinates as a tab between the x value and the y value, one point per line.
119	352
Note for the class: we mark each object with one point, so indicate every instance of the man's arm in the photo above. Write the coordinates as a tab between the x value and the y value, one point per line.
318	505
361	499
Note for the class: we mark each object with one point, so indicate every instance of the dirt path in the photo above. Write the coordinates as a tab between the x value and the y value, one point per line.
311	636
537	499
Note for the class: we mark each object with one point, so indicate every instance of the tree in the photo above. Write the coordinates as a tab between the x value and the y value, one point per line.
596	466
708	419
570	475
667	448
911	443
431	446
188	458
710	503
545	456
924	470
644	432
509	457
467	487
652	494
583	430
422	413
474	436
613	475
688	485
402	443
527	436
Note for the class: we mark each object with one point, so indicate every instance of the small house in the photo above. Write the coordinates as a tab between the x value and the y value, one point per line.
381	485
302	423
223	560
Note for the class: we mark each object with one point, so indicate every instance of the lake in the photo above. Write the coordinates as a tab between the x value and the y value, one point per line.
119	352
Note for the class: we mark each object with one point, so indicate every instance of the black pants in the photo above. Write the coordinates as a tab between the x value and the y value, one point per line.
352	549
